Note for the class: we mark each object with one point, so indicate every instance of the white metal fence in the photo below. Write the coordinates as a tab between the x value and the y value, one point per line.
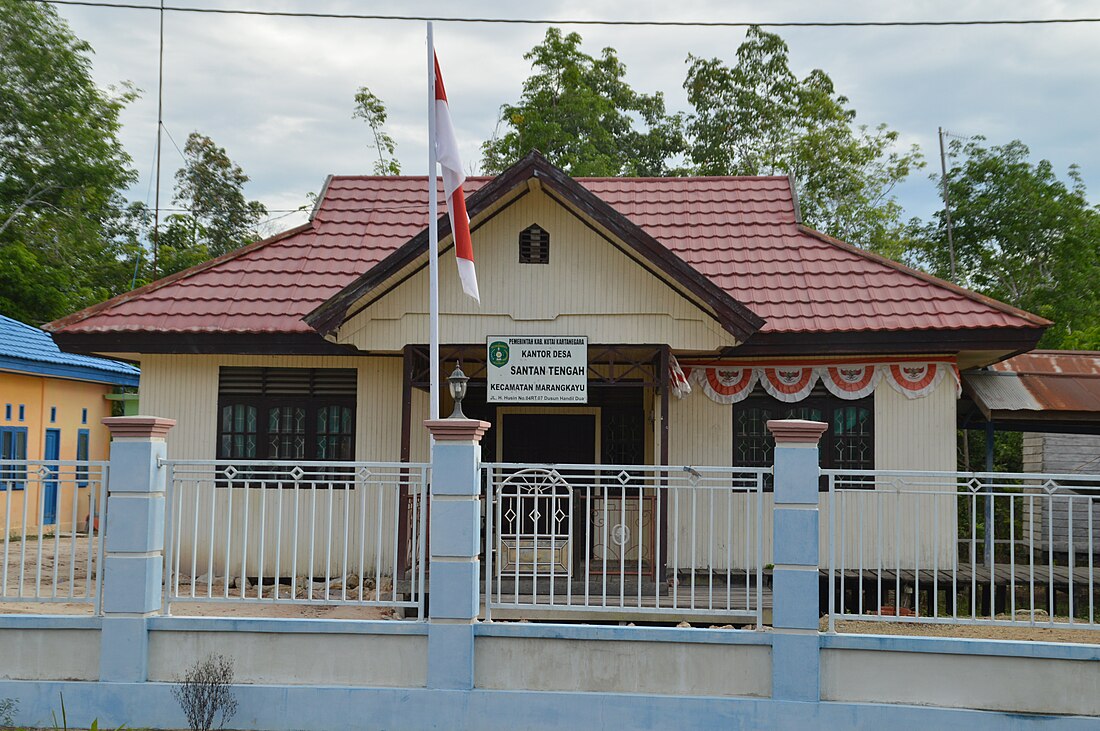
50	512
968	548
296	532
609	541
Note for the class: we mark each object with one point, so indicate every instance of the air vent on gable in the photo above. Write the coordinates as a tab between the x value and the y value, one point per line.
534	245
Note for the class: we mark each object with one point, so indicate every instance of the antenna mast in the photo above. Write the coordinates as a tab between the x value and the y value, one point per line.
947	206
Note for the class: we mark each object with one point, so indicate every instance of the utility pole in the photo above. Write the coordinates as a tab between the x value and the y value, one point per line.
947	206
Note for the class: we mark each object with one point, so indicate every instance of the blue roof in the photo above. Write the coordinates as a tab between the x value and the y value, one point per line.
29	350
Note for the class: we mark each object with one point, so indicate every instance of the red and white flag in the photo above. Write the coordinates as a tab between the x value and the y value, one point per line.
446	150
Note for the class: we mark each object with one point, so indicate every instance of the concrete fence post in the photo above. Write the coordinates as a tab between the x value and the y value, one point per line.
796	671
455	540
134	549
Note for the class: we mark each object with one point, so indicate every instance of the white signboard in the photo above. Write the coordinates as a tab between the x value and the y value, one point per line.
529	369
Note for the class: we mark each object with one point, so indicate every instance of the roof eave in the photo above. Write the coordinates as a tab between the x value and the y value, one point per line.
58	326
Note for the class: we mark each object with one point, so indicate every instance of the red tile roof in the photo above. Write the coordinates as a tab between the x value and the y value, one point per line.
741	232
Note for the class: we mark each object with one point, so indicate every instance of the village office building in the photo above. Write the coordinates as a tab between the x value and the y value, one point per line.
312	344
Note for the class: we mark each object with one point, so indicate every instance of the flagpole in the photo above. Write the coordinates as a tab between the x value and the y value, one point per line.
433	238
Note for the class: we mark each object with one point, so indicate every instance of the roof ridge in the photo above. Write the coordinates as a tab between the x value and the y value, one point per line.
153	286
926	277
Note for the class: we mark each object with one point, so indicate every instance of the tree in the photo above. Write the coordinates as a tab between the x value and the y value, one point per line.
1022	236
372	110
63	220
580	113
758	118
211	187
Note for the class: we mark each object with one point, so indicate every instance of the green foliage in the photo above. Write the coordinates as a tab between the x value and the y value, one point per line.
219	219
65	240
581	114
1022	236
372	110
758	118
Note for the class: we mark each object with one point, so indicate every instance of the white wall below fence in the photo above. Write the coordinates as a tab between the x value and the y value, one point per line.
49	653
1016	684
302	657
661	668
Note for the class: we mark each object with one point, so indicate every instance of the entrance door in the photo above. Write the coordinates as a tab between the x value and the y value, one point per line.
548	437
51	451
537	505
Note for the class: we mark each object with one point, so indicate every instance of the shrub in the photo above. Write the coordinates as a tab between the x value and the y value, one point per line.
205	693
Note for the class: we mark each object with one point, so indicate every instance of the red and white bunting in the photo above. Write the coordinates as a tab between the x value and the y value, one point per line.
677	379
916	380
848	381
725	385
788	383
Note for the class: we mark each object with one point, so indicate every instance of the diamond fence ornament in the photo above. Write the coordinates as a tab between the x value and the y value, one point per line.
230	472
296	473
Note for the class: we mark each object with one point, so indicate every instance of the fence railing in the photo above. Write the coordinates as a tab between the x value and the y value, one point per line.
967	548
296	532
49	520
648	542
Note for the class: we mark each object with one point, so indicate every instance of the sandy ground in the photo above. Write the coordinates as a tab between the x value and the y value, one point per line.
985	632
57	557
72	581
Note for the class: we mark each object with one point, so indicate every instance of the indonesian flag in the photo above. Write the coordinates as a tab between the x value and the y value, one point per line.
446	150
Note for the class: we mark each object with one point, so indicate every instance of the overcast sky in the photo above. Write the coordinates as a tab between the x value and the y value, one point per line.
277	93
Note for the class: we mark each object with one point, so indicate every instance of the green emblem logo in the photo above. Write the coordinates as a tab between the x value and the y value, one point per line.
498	353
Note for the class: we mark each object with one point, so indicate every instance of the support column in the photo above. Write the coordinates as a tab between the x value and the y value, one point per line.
455	540
134	549
796	669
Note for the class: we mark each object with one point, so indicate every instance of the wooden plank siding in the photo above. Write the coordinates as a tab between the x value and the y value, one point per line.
1047	518
589	287
185	388
910	434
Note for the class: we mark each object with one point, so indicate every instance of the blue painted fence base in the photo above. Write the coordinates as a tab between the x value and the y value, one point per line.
285	708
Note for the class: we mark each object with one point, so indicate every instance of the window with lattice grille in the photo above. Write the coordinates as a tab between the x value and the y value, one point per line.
534	245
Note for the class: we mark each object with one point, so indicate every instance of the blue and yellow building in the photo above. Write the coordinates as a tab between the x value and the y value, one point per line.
51	408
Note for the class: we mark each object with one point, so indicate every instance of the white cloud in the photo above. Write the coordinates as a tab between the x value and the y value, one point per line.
277	92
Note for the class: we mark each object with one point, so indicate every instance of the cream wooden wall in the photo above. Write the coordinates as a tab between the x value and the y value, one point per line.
185	388
588	288
910	434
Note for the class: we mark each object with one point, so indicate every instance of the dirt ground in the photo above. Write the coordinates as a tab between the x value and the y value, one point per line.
985	632
60	553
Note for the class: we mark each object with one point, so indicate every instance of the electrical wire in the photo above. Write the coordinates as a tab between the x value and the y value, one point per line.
588	22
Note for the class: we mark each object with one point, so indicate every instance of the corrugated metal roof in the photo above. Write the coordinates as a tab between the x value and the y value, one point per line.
23	347
1047	381
740	232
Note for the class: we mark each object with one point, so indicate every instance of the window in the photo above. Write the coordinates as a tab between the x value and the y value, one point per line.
534	245
83	416
13	446
7	412
22	412
286	413
82	456
53	414
848	443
